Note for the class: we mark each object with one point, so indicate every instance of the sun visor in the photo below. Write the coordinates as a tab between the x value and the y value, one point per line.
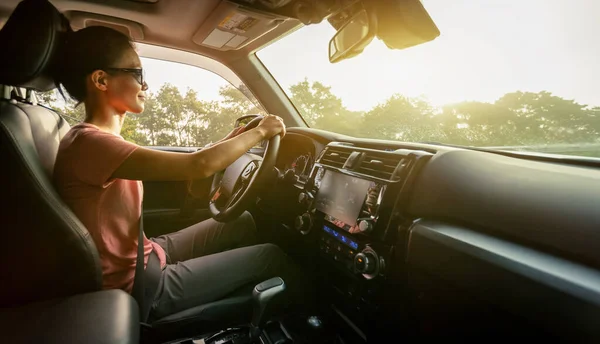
231	27
403	24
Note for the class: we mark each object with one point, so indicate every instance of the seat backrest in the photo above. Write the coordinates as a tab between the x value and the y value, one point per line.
46	252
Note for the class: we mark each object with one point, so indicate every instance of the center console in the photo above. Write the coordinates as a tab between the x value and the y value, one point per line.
353	211
347	209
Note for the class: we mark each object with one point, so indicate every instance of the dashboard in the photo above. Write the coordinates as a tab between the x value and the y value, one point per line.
372	219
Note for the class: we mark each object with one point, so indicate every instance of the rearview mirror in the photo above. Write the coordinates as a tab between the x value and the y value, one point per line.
400	24
352	37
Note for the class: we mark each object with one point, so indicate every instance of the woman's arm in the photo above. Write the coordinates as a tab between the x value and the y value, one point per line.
235	132
149	164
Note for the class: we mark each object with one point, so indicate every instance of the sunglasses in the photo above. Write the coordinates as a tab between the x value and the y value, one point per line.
137	73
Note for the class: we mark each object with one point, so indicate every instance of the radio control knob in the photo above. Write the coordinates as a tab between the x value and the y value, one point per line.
365	226
365	262
303	223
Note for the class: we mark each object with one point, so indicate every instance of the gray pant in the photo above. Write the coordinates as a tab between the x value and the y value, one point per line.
209	260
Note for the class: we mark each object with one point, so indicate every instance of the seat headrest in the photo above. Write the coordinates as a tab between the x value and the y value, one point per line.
30	41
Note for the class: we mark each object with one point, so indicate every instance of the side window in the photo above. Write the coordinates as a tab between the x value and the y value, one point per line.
186	106
53	99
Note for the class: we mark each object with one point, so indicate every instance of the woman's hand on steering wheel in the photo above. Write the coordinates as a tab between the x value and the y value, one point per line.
271	125
239	182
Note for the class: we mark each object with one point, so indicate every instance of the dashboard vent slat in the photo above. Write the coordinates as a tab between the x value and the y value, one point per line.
387	165
335	157
381	165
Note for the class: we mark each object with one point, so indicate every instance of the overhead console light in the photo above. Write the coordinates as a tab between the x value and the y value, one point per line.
231	27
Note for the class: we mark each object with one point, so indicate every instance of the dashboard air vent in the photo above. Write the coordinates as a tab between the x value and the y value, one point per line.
335	157
380	165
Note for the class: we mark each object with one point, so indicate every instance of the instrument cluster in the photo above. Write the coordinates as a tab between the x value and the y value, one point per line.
301	166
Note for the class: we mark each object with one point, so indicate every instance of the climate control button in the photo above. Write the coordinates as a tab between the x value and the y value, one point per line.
368	263
303	223
365	263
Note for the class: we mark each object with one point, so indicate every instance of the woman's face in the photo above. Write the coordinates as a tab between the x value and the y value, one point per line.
125	93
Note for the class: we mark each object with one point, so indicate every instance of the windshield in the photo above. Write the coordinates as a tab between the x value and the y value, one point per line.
504	74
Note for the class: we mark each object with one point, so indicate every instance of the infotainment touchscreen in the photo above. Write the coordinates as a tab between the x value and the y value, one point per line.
342	196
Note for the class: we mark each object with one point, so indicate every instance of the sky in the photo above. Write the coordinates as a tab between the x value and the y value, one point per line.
206	83
486	48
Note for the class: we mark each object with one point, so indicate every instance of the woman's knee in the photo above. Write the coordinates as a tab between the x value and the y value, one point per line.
244	229
272	256
246	221
272	250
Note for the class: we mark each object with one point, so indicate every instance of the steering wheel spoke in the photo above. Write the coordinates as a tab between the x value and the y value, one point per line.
239	190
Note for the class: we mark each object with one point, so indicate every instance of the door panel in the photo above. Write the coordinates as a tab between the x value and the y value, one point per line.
170	206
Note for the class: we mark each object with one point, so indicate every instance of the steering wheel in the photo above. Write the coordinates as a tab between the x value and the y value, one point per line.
238	185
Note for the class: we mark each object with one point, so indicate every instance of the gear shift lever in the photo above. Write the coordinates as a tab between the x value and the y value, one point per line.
264	298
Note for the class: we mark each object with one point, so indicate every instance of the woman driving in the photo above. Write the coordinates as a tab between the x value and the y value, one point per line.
99	174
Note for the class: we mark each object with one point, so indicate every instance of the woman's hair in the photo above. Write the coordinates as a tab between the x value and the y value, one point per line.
85	51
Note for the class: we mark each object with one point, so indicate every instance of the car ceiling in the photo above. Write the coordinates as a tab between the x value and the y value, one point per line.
167	23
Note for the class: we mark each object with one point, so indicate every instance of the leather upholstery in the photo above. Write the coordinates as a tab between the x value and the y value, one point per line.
109	316
47	253
35	30
234	310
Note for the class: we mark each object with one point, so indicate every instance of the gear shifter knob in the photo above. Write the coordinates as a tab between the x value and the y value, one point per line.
264	299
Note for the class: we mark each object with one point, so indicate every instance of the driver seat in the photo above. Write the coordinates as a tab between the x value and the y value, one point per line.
47	252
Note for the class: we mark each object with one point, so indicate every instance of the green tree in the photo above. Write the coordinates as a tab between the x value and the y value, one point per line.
542	118
221	115
46	98
402	118
321	109
315	101
74	114
239	101
593	124
151	122
131	130
477	124
171	118
174	111
65	107
168	116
